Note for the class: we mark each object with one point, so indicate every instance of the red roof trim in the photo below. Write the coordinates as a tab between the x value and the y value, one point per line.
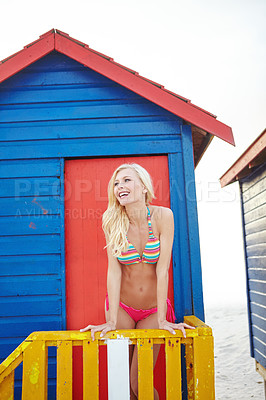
49	33
244	160
63	43
31	53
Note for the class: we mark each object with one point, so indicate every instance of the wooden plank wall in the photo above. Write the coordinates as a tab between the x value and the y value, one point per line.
31	281
57	107
52	110
253	197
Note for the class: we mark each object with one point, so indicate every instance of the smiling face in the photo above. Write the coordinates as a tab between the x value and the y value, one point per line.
128	188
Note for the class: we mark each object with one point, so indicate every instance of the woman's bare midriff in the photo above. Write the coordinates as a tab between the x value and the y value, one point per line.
139	286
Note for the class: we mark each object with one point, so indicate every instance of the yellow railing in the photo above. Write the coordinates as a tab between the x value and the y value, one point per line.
33	352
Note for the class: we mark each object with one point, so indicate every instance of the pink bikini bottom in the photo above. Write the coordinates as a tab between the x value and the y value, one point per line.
138	315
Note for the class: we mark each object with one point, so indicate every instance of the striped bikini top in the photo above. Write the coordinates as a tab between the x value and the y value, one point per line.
150	254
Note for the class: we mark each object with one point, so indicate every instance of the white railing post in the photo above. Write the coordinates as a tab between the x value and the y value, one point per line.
118	369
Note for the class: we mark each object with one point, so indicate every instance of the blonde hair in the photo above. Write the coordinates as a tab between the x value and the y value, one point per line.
115	221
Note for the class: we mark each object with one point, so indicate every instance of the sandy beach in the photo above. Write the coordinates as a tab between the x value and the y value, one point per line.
235	373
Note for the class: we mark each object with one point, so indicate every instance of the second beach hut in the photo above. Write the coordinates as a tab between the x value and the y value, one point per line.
250	171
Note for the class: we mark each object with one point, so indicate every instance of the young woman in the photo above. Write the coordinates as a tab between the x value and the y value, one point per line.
139	241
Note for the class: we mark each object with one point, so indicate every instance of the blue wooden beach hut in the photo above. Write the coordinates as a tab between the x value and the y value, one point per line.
62	103
250	171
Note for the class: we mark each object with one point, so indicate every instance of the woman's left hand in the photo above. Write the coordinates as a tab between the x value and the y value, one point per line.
170	326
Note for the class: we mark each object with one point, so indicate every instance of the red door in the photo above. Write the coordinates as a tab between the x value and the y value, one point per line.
86	199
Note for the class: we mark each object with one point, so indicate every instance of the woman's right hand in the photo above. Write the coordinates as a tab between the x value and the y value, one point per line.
108	326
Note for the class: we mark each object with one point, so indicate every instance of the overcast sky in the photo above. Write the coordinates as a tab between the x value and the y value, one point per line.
212	52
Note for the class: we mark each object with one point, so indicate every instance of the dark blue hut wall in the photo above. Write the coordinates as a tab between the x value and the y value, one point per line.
31	295
52	110
253	194
57	107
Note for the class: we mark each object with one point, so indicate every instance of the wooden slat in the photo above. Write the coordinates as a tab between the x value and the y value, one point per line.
257	297
90	370
84	110
259	321
190	371
202	328
256	262
29	225
23	326
259	345
92	147
180	258
118	369
131	334
203	368
74	93
256	226
28	168
258	309
30	306
23	186
257	285
194	280
256	250
37	264
29	286
37	206
145	369
47	74
256	238
256	214
30	244
64	370
173	369
119	127
7	387
34	380
257	188
255	202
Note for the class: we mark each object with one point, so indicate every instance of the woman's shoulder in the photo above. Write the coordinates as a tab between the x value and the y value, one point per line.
160	213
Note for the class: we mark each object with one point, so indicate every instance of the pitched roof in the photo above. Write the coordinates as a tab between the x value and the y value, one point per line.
204	123
253	156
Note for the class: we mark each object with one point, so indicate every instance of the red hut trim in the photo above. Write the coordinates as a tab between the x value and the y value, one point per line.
63	43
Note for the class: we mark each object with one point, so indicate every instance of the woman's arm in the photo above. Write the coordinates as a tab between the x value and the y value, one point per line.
166	226
114	274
